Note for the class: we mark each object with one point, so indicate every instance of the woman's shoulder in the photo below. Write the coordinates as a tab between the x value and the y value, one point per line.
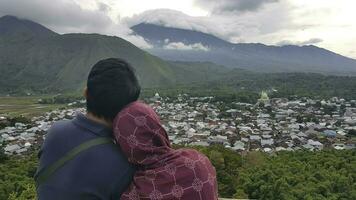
197	164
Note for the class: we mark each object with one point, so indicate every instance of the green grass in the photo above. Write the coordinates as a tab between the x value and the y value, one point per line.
25	106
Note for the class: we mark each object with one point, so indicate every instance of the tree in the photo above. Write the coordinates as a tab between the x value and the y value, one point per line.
300	119
3	156
240	194
352	133
28	193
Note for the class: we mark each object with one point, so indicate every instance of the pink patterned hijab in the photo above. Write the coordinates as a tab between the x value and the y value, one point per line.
163	173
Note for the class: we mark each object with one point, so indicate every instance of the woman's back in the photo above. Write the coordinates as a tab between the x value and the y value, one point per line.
163	173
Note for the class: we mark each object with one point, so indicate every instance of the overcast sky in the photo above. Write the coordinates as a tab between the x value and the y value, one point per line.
329	24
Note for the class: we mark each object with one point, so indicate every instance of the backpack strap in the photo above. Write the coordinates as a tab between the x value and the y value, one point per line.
46	173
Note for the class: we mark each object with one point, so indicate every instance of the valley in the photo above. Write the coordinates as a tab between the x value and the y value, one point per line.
277	122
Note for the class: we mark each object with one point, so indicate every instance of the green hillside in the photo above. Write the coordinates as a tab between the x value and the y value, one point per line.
36	59
62	62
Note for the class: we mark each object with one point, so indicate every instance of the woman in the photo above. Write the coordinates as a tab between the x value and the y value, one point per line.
162	172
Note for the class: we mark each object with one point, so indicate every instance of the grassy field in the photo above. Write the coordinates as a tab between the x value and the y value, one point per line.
26	106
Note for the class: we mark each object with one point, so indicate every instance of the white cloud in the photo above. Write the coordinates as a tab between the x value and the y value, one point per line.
217	26
311	41
247	27
62	15
66	16
123	31
182	46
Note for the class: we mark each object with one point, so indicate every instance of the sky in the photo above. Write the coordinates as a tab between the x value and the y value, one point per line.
328	24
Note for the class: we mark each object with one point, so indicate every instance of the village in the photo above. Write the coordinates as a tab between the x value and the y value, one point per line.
270	125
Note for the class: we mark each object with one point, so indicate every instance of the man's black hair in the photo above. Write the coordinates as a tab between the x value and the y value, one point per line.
112	84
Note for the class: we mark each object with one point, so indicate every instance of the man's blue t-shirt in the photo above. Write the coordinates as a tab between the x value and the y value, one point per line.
101	172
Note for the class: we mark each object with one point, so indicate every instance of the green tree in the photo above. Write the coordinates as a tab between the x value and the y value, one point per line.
3	156
29	192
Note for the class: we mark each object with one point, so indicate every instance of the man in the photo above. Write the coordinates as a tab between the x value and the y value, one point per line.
78	159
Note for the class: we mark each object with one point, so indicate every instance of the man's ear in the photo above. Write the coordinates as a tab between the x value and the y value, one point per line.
85	93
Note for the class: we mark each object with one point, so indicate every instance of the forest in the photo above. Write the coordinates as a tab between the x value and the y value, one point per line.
327	174
246	87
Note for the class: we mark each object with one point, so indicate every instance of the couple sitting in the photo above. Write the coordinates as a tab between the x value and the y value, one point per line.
118	149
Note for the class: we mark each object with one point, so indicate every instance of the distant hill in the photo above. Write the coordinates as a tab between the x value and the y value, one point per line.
251	56
34	58
11	26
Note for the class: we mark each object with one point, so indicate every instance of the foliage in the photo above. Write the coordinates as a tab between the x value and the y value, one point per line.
16	178
286	175
3	156
224	94
227	164
289	85
27	193
256	175
19	119
352	133
245	87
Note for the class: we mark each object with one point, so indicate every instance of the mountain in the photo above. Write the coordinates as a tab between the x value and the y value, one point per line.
178	44
13	27
157	35
34	58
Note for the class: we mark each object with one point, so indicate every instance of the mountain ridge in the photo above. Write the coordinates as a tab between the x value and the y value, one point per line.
251	56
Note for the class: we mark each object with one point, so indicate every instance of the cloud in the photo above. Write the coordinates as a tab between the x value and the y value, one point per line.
223	6
63	15
66	16
246	27
127	34
311	41
217	26
103	7
182	46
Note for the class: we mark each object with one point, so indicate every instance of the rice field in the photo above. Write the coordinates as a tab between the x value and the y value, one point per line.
25	106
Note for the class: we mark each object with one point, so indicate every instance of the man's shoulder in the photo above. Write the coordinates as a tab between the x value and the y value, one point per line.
62	124
59	128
